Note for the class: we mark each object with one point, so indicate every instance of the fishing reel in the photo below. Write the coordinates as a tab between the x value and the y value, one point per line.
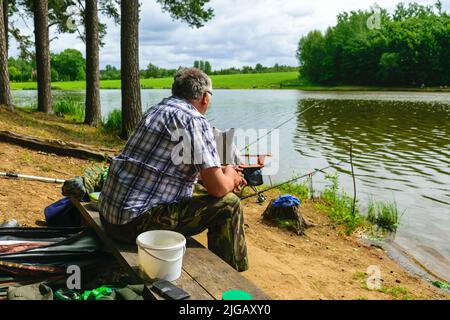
253	174
254	179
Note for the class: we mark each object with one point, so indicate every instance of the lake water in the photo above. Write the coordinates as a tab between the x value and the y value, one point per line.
401	143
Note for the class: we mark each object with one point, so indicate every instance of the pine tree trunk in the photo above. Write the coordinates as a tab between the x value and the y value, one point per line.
40	8
5	91
6	20
93	106
131	88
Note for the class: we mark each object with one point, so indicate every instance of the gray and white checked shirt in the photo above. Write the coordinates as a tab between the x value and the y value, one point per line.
145	174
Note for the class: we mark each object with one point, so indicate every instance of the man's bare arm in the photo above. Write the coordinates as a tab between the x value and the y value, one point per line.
219	182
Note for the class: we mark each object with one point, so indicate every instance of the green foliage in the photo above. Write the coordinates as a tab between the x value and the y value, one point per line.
113	123
410	49
300	190
339	206
69	65
383	214
190	11
398	293
153	71
20	69
259	68
288	224
205	66
312	55
70	107
110	73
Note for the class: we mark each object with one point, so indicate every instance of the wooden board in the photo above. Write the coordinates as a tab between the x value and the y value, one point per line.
204	276
216	276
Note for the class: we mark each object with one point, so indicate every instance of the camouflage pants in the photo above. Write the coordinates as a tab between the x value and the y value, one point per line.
222	217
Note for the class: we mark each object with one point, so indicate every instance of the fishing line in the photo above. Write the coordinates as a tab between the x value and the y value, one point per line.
310	174
280	125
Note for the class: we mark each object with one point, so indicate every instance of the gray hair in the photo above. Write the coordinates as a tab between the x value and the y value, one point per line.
191	84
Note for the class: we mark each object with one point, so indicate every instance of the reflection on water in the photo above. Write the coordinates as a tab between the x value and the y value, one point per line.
401	147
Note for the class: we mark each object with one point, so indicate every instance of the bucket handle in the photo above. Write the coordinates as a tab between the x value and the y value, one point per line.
165	260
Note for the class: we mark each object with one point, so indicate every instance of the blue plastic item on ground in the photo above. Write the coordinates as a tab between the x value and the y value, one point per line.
62	214
286	201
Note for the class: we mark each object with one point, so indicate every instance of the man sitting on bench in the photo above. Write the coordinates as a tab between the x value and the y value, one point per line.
150	184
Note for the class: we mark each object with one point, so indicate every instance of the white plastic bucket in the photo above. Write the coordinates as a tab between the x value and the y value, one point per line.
160	254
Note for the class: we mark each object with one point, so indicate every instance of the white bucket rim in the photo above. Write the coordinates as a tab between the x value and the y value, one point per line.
180	245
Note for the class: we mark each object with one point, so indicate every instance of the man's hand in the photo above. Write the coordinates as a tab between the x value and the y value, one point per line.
235	173
220	181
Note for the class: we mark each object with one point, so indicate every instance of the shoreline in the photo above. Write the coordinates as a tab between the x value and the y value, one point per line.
297	88
404	259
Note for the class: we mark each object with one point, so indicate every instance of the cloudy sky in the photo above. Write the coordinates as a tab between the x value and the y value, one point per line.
243	32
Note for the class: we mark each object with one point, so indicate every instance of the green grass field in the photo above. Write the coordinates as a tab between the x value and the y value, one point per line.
238	81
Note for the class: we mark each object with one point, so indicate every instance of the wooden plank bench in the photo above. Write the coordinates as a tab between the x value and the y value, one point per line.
204	276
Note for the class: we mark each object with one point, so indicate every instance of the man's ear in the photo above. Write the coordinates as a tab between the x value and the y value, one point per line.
205	98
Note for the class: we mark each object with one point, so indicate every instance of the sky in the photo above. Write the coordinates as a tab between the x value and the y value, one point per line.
243	32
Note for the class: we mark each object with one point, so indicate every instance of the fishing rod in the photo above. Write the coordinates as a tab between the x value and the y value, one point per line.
292	180
312	173
14	175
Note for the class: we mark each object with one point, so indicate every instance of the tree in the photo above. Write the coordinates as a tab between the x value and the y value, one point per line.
131	87
42	43
190	11
69	64
197	64
93	106
207	68
110	73
152	71
259	68
6	20
410	48
5	91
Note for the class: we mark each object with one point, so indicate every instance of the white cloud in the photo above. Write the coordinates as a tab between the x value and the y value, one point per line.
241	33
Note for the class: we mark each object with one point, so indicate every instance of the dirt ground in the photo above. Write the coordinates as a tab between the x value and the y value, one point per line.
323	264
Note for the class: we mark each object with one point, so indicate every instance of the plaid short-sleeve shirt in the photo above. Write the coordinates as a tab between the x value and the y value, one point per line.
160	163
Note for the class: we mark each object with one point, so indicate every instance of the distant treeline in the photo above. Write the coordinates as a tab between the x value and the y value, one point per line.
153	71
408	48
69	65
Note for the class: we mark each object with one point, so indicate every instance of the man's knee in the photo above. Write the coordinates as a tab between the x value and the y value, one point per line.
231	200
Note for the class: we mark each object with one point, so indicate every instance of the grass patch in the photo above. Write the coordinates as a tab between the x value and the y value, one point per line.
288	224
300	190
359	276
27	157
384	214
339	206
46	168
32	123
113	123
71	108
273	80
398	293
